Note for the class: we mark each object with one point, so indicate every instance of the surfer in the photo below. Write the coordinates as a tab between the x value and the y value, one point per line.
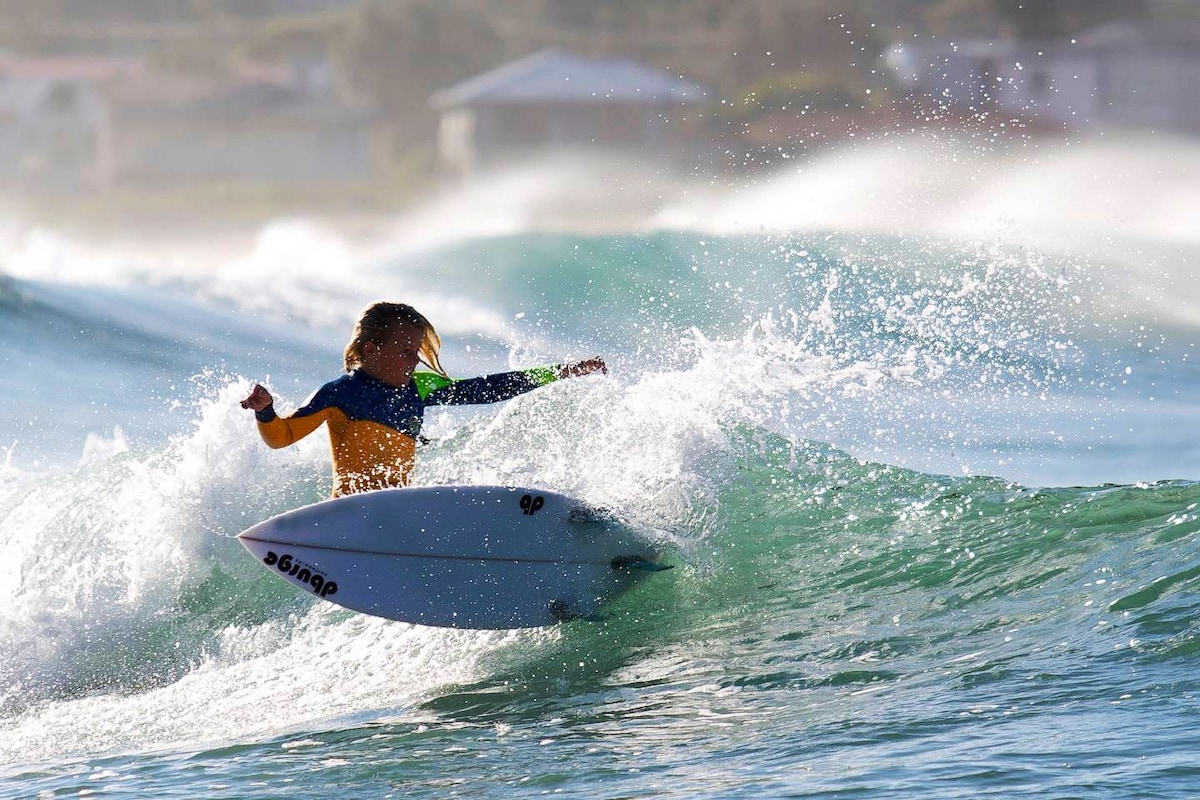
374	412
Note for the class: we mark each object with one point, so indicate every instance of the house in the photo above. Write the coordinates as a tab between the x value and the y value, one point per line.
53	123
259	131
54	119
555	101
1121	75
50	132
75	123
1146	75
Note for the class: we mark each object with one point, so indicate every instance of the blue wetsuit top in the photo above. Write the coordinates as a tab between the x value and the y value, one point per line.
373	426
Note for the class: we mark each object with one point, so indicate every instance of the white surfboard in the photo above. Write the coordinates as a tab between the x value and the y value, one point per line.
456	556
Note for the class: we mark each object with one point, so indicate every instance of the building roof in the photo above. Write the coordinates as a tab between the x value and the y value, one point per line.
557	76
1126	34
83	68
1129	35
22	95
249	102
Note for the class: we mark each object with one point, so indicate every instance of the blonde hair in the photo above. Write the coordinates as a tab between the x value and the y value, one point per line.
379	320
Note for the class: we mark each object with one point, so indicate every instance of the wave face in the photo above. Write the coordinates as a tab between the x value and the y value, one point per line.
927	501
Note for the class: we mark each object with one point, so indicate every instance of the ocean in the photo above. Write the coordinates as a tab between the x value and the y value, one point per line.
917	425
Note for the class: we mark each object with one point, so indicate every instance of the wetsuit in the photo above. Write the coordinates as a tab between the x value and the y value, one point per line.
373	426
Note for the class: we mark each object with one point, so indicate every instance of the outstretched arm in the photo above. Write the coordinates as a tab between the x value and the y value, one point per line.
502	386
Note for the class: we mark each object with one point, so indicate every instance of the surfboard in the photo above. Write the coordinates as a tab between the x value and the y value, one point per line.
485	557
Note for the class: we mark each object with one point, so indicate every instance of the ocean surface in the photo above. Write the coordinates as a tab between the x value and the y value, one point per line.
917	426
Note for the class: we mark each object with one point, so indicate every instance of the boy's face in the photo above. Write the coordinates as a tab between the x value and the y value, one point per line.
394	358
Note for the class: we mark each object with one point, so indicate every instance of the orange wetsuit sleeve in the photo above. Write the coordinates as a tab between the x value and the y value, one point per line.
279	431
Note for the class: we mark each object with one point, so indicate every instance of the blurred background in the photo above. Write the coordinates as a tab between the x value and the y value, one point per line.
185	116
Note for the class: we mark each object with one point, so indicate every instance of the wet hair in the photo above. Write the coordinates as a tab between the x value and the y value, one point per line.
379	321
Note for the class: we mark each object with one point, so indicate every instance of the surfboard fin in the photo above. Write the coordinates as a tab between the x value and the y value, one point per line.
589	516
637	562
561	610
564	611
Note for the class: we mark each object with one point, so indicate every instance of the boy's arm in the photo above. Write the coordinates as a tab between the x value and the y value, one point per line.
439	391
279	431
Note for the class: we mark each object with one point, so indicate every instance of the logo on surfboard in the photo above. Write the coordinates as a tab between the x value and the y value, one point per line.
288	565
530	504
